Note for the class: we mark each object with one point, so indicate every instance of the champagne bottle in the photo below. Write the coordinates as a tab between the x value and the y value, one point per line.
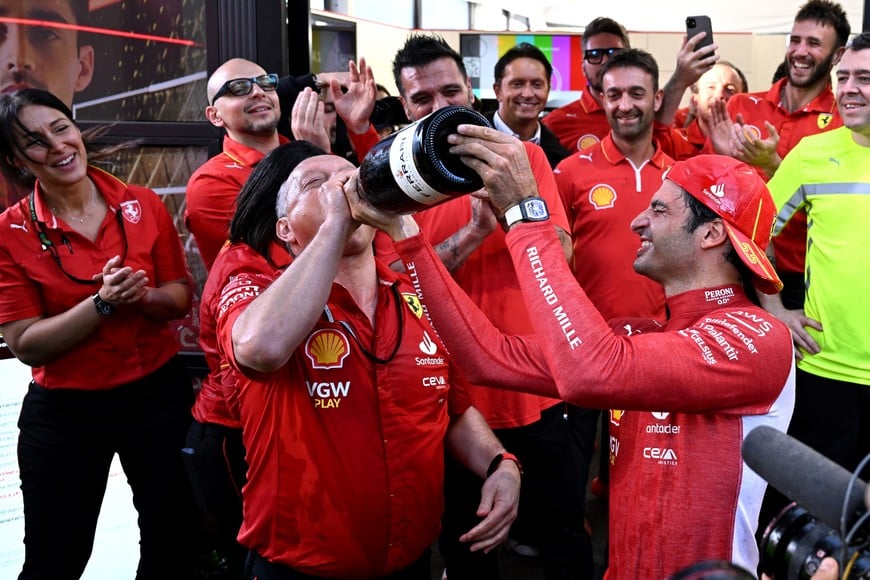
412	169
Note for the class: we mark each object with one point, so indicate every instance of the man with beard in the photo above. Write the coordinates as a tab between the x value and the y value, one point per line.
582	123
605	186
242	100
760	128
826	175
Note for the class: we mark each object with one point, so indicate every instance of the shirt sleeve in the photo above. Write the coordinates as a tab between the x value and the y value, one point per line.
574	346
363	142
241	285
210	204
19	294
169	262
786	188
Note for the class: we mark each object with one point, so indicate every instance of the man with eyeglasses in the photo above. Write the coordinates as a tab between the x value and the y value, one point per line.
243	101
582	123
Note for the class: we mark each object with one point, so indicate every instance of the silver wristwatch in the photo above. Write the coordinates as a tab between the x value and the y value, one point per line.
531	209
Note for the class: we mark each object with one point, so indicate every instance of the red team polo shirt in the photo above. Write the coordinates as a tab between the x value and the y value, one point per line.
680	144
212	405
211	195
579	124
489	278
125	346
818	116
345	455
603	193
686	395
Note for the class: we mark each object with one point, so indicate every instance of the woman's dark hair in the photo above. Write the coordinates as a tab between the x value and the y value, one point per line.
12	129
255	216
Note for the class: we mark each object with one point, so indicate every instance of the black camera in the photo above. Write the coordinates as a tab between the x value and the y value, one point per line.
795	543
388	112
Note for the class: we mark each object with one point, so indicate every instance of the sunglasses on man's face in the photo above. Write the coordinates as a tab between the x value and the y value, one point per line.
596	55
242	87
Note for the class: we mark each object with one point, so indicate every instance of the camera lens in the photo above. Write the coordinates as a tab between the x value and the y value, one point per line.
690	22
795	543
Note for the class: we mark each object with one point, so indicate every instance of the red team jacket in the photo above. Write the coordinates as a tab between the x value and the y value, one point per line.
686	393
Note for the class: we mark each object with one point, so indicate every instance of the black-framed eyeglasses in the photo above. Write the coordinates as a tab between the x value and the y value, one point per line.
242	87
596	55
48	245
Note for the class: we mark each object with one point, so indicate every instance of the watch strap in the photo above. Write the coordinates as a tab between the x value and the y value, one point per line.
103	308
513	214
498	459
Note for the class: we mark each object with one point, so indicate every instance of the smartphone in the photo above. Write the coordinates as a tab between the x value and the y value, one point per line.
696	24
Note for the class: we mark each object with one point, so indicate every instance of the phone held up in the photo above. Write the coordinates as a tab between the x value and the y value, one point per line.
696	24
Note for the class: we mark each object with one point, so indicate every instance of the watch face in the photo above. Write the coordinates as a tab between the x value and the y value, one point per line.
536	209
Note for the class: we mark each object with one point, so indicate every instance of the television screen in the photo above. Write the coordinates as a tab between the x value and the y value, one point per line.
481	51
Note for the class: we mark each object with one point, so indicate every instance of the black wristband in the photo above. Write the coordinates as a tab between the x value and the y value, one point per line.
496	461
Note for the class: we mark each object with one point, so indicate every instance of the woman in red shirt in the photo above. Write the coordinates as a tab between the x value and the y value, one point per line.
93	272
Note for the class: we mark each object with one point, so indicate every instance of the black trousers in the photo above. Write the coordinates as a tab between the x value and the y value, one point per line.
259	568
215	459
552	503
66	444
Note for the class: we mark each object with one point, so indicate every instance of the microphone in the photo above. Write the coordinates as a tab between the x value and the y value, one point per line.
804	475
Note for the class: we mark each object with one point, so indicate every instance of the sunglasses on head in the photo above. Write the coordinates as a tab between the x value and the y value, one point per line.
242	87
596	55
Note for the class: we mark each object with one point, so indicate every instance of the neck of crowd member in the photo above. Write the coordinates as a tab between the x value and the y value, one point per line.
705	274
525	128
637	149
358	275
595	93
71	200
262	142
794	98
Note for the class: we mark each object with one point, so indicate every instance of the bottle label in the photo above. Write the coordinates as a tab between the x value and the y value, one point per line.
405	171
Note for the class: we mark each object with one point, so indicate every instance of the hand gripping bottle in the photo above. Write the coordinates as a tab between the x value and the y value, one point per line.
412	169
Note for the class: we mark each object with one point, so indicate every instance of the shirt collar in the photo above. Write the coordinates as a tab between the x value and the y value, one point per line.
502	127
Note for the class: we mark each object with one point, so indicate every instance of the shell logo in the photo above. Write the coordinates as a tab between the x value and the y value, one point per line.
751	131
327	349
587	140
616	416
824	120
602	196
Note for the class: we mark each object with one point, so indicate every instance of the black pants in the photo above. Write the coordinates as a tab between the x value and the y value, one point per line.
832	417
215	459
259	568
552	504
66	444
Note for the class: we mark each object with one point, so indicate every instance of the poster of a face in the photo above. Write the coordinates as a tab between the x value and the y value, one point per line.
109	60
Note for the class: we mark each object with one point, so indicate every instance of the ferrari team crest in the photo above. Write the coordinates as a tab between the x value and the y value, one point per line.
132	211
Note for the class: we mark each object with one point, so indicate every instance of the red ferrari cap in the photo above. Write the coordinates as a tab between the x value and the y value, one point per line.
737	194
